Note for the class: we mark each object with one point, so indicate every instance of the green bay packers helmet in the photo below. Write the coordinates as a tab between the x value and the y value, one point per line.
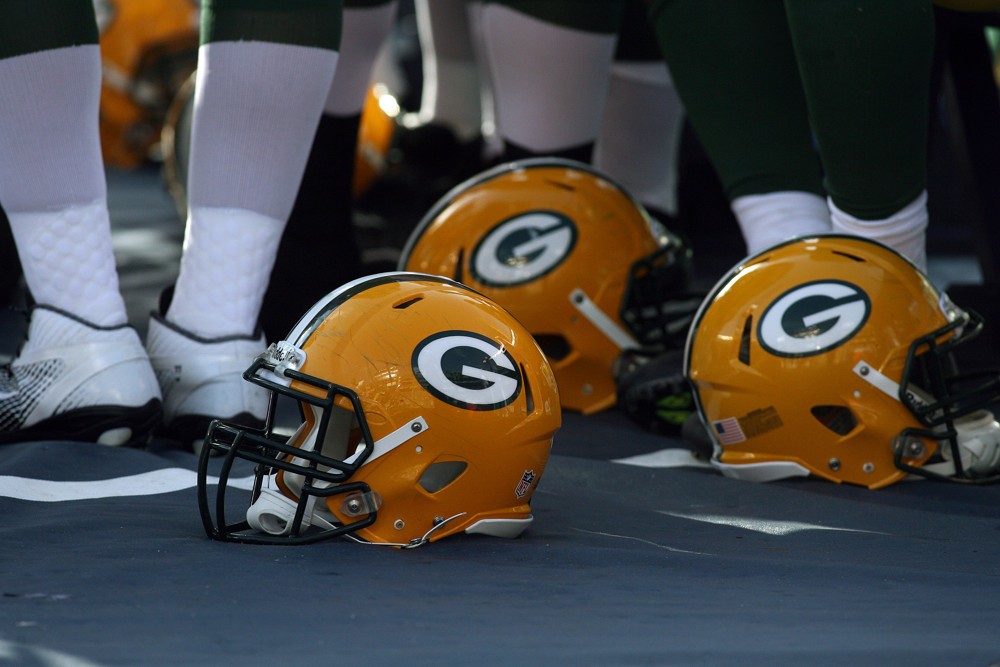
426	410
573	256
832	356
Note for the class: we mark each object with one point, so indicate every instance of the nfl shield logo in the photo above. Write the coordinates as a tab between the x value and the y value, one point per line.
525	484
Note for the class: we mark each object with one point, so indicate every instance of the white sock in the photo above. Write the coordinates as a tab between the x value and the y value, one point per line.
52	181
549	82
641	132
451	93
68	261
227	261
774	217
365	30
905	231
256	109
257	106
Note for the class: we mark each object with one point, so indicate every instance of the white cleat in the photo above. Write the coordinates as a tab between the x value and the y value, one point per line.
201	380
74	380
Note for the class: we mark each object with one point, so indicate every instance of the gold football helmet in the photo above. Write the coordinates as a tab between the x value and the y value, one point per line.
573	256
830	356
426	409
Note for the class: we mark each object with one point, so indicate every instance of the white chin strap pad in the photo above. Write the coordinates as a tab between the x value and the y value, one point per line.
979	440
978	444
272	513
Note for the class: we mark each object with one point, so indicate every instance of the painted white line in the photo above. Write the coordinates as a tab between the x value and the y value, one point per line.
149	483
664	458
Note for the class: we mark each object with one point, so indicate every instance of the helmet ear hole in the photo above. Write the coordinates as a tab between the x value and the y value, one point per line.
554	346
440	474
837	418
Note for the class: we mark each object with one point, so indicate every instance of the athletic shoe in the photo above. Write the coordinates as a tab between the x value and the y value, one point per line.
75	380
202	380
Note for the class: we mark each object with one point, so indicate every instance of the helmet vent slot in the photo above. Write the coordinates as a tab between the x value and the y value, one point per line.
409	302
440	474
529	398
561	185
554	346
837	418
848	255
744	352
458	265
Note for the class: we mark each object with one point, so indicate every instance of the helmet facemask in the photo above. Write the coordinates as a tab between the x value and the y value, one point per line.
656	322
950	406
294	467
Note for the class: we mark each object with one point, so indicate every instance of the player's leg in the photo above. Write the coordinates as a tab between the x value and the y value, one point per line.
549	65
319	248
82	373
643	118
265	67
444	141
869	103
734	66
451	92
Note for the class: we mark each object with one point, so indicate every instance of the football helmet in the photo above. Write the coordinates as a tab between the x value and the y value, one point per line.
573	256
426	410
832	356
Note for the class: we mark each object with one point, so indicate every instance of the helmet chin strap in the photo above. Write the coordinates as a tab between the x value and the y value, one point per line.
978	443
977	434
273	512
607	326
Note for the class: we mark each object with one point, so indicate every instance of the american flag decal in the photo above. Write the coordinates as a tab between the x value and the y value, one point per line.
525	484
728	431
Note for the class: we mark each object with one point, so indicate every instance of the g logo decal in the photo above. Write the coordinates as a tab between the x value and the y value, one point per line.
467	370
523	248
813	318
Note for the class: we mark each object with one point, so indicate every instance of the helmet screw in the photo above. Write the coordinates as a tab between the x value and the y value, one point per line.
438	520
863	370
399	524
416	427
354	506
868	467
914	448
834	464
